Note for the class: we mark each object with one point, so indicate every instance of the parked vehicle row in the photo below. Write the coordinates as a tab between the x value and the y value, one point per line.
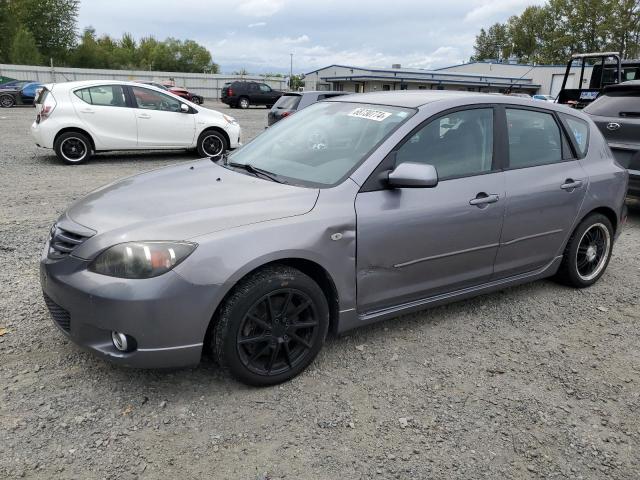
20	94
356	209
77	119
180	91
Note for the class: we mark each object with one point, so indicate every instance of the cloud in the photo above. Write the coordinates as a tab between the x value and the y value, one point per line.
259	8
293	41
490	9
259	35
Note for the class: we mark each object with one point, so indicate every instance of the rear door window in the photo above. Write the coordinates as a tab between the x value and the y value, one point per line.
103	95
534	138
152	100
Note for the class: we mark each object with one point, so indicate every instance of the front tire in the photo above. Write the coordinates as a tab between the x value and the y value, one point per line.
211	143
73	148
587	253
271	327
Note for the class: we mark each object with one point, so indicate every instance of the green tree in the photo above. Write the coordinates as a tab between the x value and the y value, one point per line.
493	44
88	53
51	22
296	82
8	27
551	33
525	33
24	50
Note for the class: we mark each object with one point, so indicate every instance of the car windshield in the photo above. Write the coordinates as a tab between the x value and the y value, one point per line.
323	143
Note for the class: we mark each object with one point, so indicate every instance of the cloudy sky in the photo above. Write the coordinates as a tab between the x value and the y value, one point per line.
259	35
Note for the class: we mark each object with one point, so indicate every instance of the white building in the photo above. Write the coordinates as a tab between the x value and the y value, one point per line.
360	80
549	77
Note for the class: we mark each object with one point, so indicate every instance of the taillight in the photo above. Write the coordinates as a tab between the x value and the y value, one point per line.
48	107
229	92
286	114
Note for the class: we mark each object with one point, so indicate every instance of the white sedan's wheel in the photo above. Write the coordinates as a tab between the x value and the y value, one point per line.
211	143
72	148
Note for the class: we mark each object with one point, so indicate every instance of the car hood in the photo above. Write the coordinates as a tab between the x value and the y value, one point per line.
182	202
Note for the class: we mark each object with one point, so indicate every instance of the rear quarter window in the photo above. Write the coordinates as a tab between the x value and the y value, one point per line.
579	131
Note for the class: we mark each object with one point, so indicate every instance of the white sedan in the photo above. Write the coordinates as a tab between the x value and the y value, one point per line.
77	119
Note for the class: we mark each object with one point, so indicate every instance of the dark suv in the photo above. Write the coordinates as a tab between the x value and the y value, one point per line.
244	94
616	111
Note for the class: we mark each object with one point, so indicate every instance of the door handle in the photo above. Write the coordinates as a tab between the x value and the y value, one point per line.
144	115
483	199
571	184
87	110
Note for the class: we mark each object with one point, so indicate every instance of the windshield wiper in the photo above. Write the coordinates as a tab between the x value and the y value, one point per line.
256	171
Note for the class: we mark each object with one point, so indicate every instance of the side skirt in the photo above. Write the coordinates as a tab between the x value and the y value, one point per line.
351	319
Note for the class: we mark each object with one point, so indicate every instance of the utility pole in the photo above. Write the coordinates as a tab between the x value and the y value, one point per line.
291	73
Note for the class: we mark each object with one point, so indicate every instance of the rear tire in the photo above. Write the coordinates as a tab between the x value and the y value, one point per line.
271	327
211	143
73	148
587	253
244	103
7	101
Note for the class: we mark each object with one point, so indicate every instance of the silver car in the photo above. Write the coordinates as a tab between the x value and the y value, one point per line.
354	210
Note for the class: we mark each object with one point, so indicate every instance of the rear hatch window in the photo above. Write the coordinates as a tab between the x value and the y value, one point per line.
41	96
288	102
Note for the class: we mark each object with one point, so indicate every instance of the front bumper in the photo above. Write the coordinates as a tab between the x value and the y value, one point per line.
166	315
234	131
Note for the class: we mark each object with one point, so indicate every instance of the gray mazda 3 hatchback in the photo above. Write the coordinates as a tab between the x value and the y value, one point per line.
354	210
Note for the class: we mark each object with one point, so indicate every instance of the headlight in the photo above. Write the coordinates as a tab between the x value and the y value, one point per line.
141	259
230	119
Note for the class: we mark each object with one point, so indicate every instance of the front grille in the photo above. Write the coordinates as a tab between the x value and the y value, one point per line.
59	314
62	242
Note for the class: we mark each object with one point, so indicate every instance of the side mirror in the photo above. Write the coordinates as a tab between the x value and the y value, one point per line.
413	175
184	108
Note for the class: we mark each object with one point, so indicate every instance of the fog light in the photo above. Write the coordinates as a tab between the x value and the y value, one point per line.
120	341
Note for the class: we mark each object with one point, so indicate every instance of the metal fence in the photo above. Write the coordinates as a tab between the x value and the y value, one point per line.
205	84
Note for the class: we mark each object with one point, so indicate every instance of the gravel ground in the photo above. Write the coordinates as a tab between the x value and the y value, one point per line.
538	381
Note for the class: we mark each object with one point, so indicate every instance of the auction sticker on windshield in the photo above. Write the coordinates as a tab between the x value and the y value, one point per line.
370	114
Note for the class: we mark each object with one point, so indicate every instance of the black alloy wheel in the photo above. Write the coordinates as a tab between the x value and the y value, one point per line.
272	326
588	252
7	101
73	148
278	332
211	143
